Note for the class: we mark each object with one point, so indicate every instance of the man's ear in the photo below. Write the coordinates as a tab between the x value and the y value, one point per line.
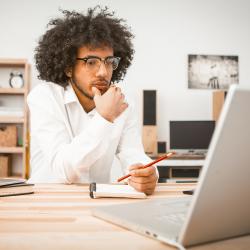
68	72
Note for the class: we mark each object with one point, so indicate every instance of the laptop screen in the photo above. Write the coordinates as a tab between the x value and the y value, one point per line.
191	135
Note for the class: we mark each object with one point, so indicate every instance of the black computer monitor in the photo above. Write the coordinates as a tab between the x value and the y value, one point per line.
191	135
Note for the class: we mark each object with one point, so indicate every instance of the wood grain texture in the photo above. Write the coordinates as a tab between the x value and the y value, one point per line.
59	217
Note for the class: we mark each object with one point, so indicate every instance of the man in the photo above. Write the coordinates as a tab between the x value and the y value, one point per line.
79	118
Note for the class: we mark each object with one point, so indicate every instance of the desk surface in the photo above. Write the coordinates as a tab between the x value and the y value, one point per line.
59	217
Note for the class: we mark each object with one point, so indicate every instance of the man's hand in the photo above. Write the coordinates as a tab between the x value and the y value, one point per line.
111	104
143	180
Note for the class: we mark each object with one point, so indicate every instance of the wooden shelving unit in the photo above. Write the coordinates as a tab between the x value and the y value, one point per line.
11	119
12	150
9	91
19	120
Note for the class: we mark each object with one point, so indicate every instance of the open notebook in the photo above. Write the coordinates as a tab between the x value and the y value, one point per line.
114	190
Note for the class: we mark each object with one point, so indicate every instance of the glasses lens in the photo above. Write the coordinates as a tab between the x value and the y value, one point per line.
93	63
112	62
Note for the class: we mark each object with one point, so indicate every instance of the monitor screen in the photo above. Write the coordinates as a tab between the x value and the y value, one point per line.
191	135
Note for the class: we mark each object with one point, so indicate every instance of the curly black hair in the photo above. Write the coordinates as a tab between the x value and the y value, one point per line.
57	48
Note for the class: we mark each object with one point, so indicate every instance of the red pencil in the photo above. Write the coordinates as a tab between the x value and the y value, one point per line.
148	165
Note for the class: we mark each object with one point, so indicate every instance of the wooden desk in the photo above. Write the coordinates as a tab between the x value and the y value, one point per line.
59	217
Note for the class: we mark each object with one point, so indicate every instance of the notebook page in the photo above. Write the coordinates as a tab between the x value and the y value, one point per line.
112	190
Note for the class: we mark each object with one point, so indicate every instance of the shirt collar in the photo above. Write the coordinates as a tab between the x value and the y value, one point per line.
70	95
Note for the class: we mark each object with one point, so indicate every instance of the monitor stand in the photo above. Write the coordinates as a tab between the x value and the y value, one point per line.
189	154
197	152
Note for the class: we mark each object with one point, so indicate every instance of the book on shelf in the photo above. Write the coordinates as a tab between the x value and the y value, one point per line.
12	187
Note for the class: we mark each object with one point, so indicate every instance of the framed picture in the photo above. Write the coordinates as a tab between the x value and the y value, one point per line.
212	71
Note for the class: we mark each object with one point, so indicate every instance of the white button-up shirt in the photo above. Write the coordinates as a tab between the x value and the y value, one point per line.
69	145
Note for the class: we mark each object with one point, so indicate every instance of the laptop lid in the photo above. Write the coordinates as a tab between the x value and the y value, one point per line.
221	204
220	207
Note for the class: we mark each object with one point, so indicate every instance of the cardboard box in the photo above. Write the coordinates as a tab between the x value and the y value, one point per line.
8	136
4	165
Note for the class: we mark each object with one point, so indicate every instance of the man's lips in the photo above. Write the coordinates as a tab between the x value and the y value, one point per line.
102	85
100	82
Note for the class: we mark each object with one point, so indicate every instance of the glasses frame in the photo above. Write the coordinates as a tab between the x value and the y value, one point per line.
103	60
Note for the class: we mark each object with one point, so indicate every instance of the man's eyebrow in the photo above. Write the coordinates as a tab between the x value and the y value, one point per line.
91	56
94	56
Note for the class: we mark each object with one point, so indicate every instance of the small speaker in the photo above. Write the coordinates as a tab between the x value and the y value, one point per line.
149	107
161	147
149	122
218	101
149	139
163	173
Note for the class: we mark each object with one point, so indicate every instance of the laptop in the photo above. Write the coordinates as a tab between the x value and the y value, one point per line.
220	206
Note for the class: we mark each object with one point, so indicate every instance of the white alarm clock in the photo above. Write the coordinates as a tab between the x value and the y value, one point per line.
16	80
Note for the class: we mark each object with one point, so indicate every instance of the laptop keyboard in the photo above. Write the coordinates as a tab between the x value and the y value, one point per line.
174	218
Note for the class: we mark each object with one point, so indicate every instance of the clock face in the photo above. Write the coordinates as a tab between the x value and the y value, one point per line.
16	81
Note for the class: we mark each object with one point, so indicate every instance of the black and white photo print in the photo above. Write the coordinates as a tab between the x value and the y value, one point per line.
212	71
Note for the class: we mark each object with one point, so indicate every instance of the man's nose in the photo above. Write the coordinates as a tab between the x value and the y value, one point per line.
102	71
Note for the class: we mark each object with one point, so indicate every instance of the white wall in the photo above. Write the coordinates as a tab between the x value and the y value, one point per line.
166	32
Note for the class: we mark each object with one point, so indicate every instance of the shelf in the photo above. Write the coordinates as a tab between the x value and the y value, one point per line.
11	91
12	150
15	176
186	163
11	119
7	62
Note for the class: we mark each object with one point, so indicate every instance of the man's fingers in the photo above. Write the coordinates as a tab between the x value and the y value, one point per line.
143	171
147	188
118	90
135	166
139	186
144	180
115	88
149	191
124	107
122	96
96	91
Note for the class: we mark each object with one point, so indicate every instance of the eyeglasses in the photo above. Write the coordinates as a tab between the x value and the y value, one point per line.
93	63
